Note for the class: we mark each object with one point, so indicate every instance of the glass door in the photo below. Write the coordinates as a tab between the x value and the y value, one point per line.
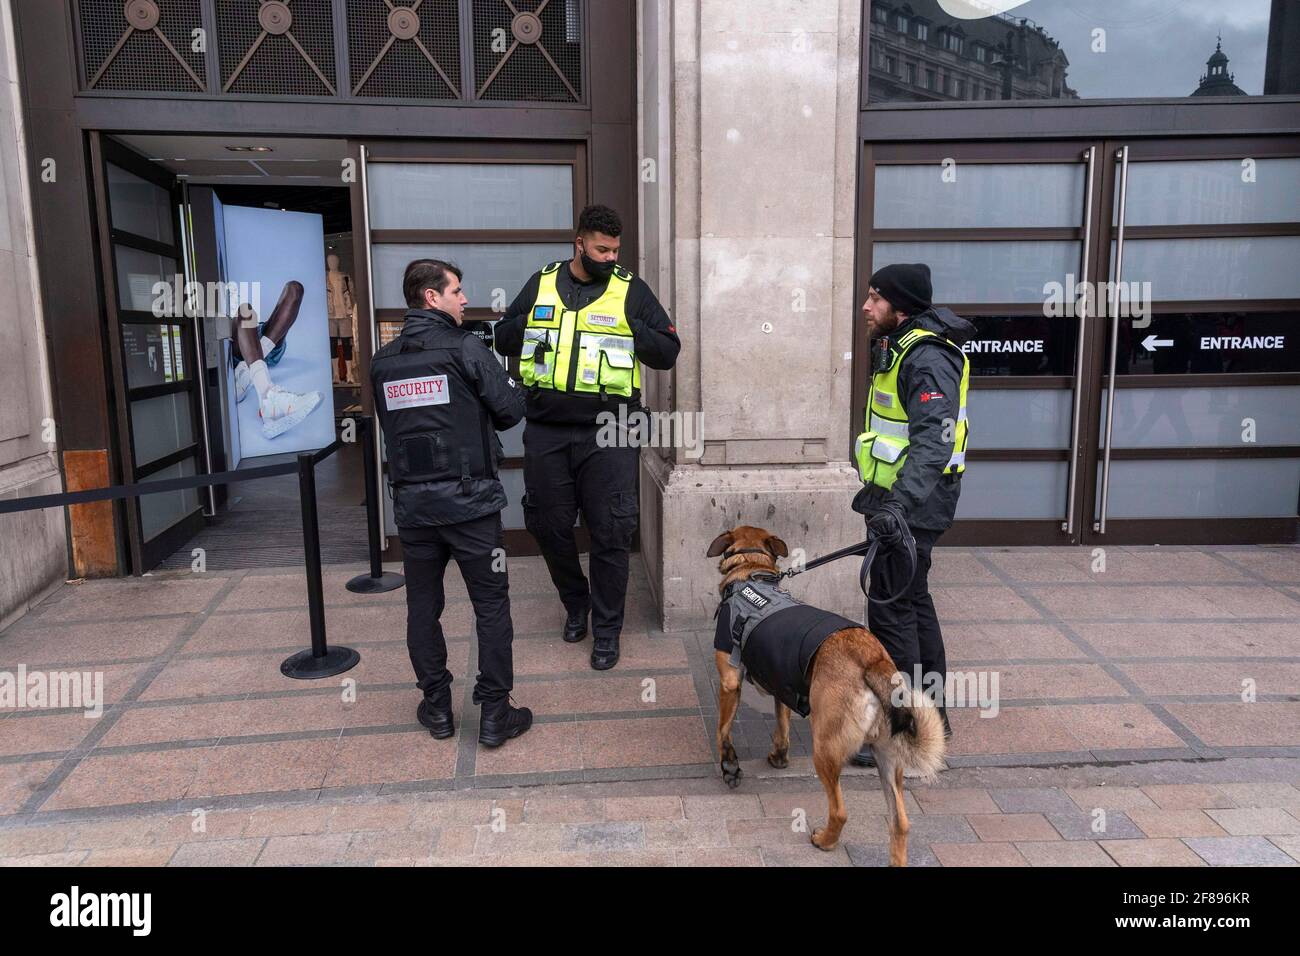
152	346
499	211
1008	232
1200	331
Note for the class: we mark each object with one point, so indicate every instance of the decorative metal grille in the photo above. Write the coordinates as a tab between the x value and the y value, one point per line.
277	47
409	49
528	50
142	45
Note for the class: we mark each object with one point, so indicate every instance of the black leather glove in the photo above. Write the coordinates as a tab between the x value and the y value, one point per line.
885	525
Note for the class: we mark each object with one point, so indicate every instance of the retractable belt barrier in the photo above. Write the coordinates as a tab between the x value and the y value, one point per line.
320	660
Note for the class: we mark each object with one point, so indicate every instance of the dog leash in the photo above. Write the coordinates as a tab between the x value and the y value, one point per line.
868	549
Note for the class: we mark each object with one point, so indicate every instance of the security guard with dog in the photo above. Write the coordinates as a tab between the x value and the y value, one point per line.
441	396
911	456
580	329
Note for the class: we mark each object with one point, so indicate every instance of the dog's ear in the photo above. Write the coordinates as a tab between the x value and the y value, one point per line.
777	547
721	543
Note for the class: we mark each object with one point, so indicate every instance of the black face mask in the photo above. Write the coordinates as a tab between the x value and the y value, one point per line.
597	270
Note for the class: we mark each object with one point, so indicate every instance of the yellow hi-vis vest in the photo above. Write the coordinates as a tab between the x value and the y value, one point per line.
882	448
590	350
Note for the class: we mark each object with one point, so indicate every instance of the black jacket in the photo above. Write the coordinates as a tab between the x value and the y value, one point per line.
444	348
929	384
655	338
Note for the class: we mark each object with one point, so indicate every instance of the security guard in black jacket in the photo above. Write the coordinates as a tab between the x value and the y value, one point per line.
580	328
910	457
441	396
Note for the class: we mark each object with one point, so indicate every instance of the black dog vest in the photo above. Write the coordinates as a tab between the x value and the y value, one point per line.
774	638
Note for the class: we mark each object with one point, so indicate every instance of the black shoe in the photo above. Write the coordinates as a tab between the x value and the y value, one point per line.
604	653
864	757
437	717
575	627
501	721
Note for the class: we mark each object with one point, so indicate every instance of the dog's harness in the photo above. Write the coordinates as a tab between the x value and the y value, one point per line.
775	637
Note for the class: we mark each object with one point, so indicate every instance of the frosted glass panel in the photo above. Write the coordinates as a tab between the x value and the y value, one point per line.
470	196
487	266
1233	488
512	441
512	480
1212	191
1028	194
138	206
159	512
137	273
1260	267
1019	418
1205	417
985	271
1013	489
160	426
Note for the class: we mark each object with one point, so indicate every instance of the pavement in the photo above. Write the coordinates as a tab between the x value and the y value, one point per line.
1140	711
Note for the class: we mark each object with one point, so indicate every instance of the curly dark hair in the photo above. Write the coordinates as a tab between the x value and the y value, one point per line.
600	219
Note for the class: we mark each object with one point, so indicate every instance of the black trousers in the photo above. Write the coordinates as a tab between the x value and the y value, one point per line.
566	470
908	627
477	547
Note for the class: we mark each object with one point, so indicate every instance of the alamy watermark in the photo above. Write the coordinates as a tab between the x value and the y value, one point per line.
640	429
52	690
978	689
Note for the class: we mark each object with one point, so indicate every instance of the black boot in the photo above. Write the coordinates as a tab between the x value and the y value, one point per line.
575	626
604	653
864	757
501	721
435	713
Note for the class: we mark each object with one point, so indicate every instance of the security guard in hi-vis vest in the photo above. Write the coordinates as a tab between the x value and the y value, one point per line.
580	329
441	396
910	456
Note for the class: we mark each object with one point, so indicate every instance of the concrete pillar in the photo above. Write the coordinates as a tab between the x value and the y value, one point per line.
750	111
33	547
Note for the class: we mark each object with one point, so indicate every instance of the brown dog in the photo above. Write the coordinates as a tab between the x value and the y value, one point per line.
851	682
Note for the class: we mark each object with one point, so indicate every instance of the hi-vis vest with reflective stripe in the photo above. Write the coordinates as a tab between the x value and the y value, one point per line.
882	448
587	351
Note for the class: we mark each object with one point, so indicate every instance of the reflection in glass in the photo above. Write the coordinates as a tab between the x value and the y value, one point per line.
158	512
1012	489
985	270
160	426
137	274
982	196
1203	488
1256	267
1210	343
1211	191
1204	417
470	196
153	354
138	206
1021	345
487	267
1021	417
1081	49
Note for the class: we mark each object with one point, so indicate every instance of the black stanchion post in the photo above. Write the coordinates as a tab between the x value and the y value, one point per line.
378	580
321	660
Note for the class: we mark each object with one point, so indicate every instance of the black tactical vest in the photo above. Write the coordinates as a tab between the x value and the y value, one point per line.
774	638
435	426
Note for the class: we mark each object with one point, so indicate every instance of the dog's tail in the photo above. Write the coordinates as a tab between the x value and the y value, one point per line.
915	727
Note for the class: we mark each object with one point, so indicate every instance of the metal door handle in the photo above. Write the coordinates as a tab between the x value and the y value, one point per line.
1089	158
1121	156
377	434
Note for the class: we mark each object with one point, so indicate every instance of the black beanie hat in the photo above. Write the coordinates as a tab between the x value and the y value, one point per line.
905	286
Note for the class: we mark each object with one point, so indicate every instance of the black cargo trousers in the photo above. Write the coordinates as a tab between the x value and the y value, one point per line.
566	469
908	628
476	546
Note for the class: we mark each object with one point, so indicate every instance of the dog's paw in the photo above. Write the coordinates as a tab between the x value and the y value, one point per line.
822	841
731	774
780	759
